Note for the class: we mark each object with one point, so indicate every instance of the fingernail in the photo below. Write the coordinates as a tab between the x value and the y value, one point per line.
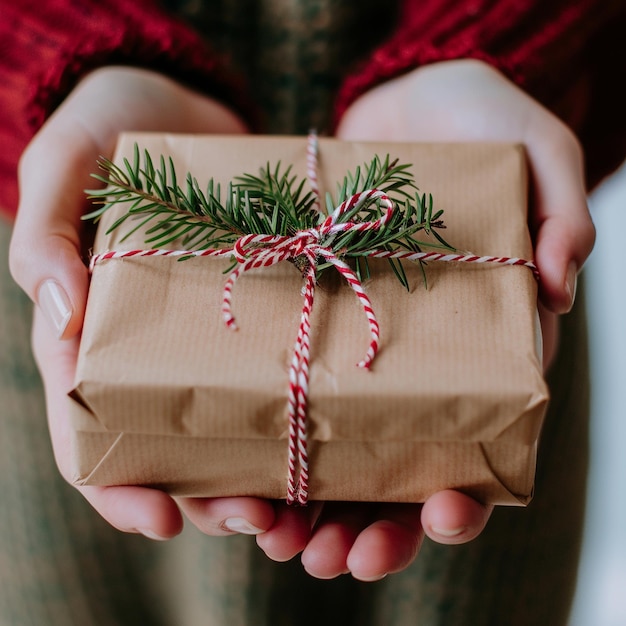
240	525
570	282
55	305
372	579
146	532
449	532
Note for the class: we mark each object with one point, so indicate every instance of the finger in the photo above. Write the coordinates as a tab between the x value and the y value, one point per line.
45	248
228	516
389	544
451	517
141	510
564	230
130	509
290	532
326	553
56	361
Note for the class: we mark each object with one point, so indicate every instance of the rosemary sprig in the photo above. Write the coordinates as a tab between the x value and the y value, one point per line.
272	202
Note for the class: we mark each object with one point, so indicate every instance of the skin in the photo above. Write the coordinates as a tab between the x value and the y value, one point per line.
451	101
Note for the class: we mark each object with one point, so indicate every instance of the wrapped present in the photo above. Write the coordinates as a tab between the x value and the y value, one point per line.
167	396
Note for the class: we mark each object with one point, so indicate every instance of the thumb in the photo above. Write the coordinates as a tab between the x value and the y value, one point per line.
44	255
565	233
52	273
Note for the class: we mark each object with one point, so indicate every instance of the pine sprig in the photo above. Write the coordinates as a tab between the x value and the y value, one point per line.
274	202
281	195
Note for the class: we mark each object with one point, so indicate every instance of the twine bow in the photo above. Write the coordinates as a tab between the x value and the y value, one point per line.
313	244
254	251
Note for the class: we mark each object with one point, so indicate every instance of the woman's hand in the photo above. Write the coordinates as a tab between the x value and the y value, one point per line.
46	261
460	101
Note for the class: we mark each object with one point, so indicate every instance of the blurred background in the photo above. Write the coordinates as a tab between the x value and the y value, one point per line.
601	595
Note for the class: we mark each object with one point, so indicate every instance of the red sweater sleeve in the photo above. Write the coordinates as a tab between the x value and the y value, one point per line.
45	48
551	49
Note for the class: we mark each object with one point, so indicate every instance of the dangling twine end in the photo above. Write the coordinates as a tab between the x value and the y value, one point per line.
301	498
368	359
229	320
300	501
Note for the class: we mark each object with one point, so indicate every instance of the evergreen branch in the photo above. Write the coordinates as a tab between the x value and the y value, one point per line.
272	202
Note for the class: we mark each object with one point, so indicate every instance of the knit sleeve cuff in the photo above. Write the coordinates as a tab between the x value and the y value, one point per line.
529	41
46	48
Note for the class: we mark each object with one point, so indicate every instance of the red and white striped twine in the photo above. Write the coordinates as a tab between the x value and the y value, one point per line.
255	251
312	150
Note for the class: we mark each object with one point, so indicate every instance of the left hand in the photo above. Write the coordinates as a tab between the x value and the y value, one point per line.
452	101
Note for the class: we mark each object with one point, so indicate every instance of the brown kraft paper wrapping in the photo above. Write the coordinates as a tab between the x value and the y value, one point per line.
167	396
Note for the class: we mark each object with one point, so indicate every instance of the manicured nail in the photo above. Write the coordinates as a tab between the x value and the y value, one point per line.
570	282
449	532
55	305
146	532
240	525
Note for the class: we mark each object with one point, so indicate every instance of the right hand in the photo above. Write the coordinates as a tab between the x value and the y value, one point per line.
45	257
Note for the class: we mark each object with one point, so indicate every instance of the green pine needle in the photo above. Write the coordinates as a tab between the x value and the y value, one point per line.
274	202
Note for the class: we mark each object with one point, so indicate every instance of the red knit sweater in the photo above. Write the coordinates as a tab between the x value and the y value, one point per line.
546	47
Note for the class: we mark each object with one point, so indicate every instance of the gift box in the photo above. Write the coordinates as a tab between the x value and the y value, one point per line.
166	396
